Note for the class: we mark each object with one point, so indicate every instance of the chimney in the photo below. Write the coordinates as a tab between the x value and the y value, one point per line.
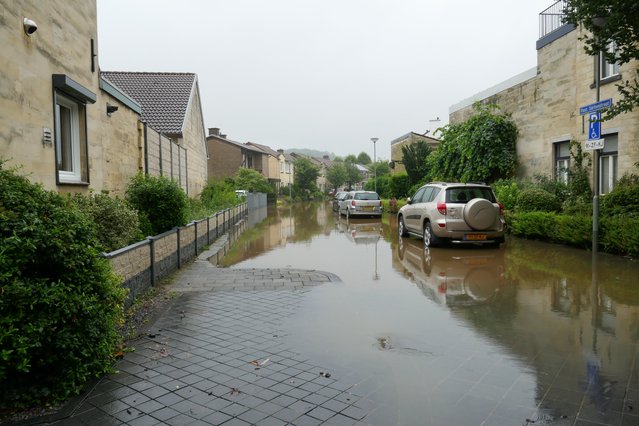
281	151
222	136
214	131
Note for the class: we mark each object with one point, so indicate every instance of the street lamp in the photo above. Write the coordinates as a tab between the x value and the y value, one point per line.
375	160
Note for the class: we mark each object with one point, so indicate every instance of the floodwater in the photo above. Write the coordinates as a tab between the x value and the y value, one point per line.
530	333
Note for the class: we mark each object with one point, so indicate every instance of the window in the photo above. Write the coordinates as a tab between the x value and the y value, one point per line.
71	146
433	194
609	69
418	195
70	152
562	161
608	164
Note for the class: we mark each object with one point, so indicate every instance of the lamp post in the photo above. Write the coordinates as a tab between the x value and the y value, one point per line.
375	160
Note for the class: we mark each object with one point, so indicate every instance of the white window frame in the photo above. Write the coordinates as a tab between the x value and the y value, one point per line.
562	163
607	69
75	174
611	159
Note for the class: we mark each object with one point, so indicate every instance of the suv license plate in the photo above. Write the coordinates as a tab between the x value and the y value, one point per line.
368	208
475	237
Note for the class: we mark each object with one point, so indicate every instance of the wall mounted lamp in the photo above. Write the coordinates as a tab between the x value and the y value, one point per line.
111	109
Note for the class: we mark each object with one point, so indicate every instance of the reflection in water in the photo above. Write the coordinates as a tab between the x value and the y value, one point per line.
529	331
452	276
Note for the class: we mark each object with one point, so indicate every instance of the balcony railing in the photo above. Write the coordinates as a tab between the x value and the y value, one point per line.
551	18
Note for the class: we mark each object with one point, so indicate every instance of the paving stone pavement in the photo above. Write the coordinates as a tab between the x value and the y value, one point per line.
218	357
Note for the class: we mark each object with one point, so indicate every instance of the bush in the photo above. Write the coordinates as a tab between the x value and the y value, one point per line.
60	299
219	195
553	186
536	199
399	186
116	223
507	191
573	230
620	234
383	185
623	199
160	202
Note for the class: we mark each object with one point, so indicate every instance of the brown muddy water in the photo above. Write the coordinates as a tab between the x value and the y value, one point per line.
530	333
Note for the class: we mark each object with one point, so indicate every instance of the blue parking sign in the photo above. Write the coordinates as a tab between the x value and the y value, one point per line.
594	128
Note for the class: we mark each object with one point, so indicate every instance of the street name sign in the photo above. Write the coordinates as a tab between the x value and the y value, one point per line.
594	144
606	103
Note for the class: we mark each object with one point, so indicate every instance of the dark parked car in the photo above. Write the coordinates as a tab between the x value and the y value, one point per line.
338	199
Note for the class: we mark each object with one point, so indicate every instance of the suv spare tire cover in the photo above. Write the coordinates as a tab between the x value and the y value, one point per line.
480	213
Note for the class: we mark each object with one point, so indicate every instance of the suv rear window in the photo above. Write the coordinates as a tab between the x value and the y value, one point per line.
366	196
465	194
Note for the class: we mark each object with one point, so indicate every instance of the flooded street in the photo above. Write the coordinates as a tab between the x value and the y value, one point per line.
529	333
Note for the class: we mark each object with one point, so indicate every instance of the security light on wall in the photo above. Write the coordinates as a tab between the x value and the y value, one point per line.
30	26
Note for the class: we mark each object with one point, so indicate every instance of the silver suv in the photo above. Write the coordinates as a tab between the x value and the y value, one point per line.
457	212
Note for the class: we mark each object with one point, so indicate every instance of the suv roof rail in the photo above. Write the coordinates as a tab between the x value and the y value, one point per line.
476	183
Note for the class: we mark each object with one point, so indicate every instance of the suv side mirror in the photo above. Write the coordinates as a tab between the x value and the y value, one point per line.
409	201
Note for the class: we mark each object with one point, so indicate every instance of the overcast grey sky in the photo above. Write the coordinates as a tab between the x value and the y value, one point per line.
324	74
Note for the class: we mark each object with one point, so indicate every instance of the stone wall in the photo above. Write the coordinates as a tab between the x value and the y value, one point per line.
546	106
165	157
61	45
143	264
194	140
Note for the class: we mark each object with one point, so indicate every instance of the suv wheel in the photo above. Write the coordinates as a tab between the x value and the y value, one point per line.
401	227
430	239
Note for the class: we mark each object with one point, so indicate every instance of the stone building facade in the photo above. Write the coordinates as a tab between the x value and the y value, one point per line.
545	105
65	125
408	139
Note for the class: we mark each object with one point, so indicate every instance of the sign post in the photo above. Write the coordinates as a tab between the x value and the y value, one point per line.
595	143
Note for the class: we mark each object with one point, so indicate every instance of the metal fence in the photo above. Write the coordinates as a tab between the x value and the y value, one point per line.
552	18
143	264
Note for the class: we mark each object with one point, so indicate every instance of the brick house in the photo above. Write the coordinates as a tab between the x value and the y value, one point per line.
271	162
545	104
226	156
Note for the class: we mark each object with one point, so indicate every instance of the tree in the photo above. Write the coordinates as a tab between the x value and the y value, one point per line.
611	21
353	174
414	159
252	180
306	174
480	149
381	168
350	159
336	174
363	158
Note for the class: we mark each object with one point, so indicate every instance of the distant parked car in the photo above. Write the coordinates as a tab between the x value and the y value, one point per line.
361	203
457	212
338	199
241	193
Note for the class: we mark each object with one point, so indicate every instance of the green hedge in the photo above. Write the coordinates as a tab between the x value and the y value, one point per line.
160	202
617	234
60	301
552	227
620	235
